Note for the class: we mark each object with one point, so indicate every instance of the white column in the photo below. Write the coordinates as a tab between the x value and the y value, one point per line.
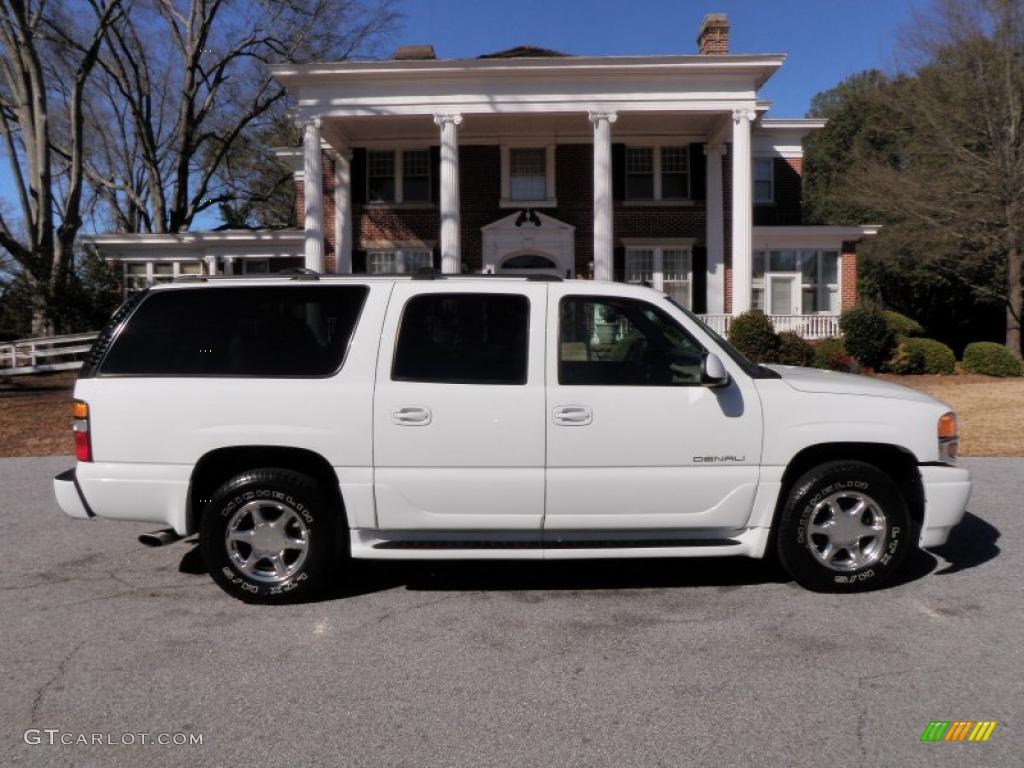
715	237
313	196
342	213
604	268
451	247
211	265
742	210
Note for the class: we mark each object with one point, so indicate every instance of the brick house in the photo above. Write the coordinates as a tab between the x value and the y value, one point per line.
656	169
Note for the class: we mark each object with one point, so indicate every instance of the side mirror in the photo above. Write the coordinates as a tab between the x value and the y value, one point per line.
713	373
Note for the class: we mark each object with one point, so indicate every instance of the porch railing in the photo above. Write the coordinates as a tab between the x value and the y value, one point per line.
807	326
39	355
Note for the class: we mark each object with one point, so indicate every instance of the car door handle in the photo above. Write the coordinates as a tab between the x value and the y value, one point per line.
573	415
411	416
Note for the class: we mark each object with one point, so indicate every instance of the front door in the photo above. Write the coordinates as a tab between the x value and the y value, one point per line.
634	439
458	409
783	294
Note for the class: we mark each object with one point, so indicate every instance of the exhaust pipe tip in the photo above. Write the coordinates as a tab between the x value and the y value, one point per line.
160	538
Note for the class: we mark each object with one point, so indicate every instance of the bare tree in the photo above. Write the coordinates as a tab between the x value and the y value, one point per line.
30	68
958	177
186	92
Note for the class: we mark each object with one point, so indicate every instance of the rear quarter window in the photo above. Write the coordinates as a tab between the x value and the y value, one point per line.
238	331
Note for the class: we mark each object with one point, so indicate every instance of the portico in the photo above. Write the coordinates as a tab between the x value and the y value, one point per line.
709	102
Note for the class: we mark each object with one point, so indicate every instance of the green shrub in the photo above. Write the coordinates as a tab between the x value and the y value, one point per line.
991	359
753	335
914	356
794	350
901	325
831	355
867	336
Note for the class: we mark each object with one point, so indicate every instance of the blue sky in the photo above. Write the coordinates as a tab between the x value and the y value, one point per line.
825	39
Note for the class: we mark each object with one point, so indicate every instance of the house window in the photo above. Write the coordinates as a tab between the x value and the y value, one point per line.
658	173
403	261
398	176
380	176
764	180
528	174
664	268
139	275
527	177
675	173
639	173
416	175
816	270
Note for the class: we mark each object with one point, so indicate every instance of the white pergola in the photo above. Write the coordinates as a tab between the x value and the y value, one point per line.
709	99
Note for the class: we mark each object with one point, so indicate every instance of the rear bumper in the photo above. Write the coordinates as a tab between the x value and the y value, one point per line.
69	495
946	490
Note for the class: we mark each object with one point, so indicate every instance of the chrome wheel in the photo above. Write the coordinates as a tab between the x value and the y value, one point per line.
267	541
847	531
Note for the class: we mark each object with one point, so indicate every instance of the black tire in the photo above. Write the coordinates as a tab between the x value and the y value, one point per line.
288	495
812	503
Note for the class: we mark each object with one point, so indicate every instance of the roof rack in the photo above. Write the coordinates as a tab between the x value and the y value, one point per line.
302	273
433	274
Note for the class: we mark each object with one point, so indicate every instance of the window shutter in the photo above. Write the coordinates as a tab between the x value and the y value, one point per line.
435	174
698	172
699	278
357	177
619	262
437	257
358	262
618	172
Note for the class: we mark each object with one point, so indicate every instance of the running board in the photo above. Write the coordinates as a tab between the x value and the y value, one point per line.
556	544
514	545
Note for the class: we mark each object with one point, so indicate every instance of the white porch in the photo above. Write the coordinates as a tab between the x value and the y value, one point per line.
679	100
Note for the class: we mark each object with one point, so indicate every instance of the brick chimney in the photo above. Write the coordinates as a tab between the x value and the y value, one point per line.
415	53
714	34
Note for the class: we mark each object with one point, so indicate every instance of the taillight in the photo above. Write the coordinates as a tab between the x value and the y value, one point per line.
83	445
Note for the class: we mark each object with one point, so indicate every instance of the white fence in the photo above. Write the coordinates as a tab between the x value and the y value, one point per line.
807	326
53	353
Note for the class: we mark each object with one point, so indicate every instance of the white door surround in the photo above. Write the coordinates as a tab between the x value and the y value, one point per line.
527	233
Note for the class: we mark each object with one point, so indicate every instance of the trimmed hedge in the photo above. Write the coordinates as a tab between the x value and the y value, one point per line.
867	336
753	335
901	325
991	359
917	356
794	350
831	355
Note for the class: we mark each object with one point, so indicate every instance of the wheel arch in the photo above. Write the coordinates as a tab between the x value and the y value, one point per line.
895	461
221	464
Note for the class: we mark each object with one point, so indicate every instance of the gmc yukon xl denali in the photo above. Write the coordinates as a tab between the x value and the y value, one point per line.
297	421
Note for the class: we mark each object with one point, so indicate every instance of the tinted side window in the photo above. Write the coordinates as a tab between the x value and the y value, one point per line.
239	331
624	342
463	338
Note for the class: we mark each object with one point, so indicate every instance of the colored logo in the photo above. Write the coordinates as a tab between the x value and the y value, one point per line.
958	730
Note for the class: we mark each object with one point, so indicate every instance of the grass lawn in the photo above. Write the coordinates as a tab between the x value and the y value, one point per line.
35	412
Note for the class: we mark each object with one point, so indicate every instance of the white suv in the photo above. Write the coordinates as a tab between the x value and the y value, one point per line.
297	421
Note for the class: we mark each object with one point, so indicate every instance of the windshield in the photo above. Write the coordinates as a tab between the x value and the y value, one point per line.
749	366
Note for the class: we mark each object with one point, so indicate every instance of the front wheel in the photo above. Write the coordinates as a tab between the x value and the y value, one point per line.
844	528
268	536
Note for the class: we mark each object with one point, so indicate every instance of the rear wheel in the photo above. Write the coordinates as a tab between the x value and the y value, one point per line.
268	536
844	528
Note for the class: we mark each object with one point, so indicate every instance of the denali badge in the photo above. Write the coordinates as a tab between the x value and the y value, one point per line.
717	459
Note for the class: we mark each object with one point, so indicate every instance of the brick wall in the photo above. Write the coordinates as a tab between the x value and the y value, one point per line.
848	276
785	209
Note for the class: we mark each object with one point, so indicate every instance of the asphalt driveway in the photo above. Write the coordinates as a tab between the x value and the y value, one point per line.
685	662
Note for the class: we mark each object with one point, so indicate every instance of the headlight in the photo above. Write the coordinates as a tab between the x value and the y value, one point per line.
949	440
